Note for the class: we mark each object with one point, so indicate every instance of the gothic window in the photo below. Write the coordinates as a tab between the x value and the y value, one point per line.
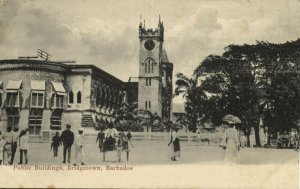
149	104
149	65
71	97
79	97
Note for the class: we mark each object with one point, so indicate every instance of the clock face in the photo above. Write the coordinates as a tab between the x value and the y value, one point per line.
149	44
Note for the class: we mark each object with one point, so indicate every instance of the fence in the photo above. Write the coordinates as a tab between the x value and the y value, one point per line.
91	136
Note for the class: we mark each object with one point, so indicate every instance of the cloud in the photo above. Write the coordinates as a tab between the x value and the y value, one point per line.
101	33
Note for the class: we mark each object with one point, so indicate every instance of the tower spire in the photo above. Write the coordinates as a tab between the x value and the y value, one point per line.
159	20
141	20
144	24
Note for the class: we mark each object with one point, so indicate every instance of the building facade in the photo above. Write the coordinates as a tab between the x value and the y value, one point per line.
45	95
155	72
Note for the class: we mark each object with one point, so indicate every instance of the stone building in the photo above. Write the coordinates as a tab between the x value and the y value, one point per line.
155	72
45	95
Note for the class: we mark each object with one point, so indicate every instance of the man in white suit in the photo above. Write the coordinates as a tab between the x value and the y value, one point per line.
79	150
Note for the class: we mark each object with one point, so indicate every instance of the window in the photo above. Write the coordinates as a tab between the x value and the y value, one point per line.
13	117
148	105
55	120
37	99
79	97
71	97
58	101
149	65
35	121
148	82
12	99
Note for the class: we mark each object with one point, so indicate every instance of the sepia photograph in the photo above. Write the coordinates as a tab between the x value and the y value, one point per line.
149	94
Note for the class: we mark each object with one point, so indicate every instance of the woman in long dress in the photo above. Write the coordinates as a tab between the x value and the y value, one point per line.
175	145
252	137
262	136
232	144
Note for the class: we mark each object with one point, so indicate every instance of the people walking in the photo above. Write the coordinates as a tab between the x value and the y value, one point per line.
262	136
110	138
2	144
129	136
175	145
67	138
100	138
243	140
56	142
14	144
232	144
7	152
198	137
24	146
79	150
252	138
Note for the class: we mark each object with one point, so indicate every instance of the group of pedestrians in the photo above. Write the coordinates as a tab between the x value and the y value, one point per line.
68	138
10	141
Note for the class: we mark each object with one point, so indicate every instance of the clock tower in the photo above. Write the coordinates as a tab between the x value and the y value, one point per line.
150	84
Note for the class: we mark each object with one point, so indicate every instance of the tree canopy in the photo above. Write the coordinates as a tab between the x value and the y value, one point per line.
248	81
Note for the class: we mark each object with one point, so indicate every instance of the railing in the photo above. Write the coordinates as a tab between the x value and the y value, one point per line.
90	137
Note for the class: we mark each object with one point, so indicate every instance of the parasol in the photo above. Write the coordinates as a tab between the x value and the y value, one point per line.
231	119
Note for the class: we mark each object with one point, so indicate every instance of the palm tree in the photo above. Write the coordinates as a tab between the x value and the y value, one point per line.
188	88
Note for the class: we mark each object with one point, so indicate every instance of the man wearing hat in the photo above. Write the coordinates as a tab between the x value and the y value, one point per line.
67	137
79	147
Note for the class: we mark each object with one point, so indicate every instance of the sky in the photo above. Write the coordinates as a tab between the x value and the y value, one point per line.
105	33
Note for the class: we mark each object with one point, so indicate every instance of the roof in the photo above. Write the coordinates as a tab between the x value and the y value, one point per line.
164	56
37	85
178	108
96	69
14	85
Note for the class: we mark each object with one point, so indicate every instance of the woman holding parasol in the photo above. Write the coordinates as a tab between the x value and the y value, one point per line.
231	138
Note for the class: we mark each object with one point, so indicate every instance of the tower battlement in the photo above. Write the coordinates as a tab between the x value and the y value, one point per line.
151	32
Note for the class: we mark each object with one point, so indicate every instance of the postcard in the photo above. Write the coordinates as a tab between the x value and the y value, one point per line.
149	94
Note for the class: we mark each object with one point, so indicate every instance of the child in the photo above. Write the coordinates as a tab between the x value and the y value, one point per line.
7	153
55	143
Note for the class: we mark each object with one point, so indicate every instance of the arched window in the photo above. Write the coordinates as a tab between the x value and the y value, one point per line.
149	65
79	97
71	97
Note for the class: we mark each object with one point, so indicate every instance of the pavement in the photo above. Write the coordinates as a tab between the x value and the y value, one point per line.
157	152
